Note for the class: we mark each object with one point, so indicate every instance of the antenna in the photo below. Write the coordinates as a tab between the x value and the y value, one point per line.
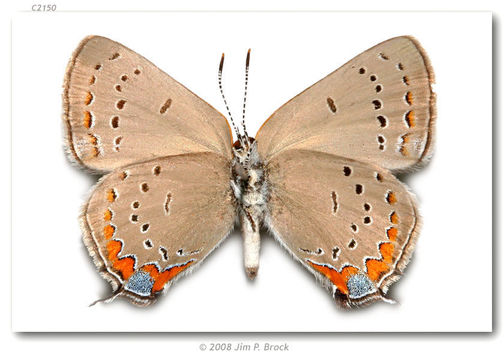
221	65
247	63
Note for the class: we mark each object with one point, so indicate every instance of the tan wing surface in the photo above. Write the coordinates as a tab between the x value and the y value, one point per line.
352	224
378	108
119	108
169	212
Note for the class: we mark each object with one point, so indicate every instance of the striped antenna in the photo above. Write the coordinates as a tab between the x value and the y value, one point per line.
247	63
221	66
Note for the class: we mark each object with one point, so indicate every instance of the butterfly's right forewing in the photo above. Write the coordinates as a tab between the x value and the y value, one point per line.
378	108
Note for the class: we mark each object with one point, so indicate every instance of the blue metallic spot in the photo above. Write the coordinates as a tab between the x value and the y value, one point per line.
140	283
359	285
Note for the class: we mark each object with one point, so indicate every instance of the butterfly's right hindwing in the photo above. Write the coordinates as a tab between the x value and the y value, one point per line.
146	223
352	224
119	108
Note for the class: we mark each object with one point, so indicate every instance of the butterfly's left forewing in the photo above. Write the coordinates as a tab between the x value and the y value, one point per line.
352	224
149	222
119	108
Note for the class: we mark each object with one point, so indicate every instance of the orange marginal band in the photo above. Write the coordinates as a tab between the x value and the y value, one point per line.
337	278
126	265
161	278
375	268
386	250
392	233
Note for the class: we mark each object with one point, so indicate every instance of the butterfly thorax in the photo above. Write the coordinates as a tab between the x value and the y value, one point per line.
248	181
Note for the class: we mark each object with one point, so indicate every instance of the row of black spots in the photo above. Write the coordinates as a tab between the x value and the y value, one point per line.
354	228
144	228
167	202
352	244
331	105
134	218
382	120
318	251
335	253
114	56
405	78
382	56
347	170
114	122
334	197
367	207
135	205
162	250
117	143
164	253
120	104
165	106
124	175
367	220
377	104
381	142
156	170
359	189
144	187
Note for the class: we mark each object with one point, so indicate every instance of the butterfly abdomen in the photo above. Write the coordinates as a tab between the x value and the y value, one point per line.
249	184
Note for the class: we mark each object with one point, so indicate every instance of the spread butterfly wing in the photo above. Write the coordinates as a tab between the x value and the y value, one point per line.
119	108
378	108
352	224
147	223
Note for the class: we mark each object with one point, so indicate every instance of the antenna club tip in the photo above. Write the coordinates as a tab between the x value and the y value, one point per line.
247	62
221	65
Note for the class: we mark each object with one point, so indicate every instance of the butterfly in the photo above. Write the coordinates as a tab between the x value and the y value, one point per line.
319	174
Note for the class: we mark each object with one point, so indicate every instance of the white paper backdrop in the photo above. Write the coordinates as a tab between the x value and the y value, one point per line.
447	287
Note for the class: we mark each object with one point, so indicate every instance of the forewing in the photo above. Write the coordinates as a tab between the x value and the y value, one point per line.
352	224
119	108
378	108
146	223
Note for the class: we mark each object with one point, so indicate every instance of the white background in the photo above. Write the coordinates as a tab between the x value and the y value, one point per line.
447	287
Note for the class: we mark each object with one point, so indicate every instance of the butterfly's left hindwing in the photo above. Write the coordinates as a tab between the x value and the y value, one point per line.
147	223
352	224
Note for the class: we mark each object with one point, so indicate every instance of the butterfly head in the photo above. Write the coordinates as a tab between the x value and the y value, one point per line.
245	152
